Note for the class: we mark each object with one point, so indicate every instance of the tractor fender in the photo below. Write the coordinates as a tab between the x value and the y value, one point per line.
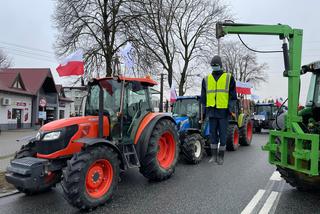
241	120
101	141
142	143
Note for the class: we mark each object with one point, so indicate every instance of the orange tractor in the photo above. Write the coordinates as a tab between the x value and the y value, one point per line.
120	131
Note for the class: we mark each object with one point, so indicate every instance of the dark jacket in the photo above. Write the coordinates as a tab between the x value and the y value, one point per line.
213	111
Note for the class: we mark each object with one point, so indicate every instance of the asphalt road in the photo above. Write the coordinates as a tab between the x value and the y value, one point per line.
243	184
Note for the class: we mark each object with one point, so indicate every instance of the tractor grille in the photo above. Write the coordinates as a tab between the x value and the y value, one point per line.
48	147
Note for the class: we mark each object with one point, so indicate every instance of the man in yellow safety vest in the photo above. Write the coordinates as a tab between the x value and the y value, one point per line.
218	96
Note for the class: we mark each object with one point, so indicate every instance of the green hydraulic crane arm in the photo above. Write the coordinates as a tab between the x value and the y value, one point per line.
292	59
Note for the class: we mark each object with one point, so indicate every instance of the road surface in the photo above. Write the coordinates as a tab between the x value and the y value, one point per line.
246	183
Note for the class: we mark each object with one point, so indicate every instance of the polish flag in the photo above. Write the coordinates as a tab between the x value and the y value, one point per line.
173	94
243	87
72	65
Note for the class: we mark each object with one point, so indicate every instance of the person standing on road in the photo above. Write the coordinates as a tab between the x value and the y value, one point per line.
218	96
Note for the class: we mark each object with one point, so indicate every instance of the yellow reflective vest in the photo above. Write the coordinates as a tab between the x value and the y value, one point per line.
218	91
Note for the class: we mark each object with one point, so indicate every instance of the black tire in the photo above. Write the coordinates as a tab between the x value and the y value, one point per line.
233	137
28	150
257	129
299	180
193	148
150	166
246	132
74	182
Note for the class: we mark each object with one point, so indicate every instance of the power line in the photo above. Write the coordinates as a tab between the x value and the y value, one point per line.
32	57
26	52
26	47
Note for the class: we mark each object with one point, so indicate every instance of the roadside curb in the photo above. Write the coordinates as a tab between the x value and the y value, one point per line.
13	192
6	156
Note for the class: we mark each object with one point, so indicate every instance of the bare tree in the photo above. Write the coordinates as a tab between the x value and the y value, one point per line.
152	34
96	26
194	29
243	64
5	61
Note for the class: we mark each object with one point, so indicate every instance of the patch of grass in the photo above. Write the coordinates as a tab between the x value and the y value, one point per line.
4	185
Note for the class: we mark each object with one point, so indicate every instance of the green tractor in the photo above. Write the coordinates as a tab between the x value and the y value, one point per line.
294	146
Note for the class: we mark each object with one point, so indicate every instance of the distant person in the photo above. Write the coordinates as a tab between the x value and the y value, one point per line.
218	95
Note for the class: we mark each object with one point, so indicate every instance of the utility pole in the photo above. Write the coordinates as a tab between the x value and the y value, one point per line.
219	46
161	93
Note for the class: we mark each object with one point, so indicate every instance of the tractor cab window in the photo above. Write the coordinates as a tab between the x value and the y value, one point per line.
316	99
312	86
136	105
111	98
186	107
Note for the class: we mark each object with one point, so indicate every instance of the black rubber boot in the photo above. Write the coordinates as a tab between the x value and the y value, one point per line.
214	155
220	157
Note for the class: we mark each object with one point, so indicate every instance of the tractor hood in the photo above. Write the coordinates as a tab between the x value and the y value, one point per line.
179	119
58	124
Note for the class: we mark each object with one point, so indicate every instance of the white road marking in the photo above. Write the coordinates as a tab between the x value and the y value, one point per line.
276	176
269	202
254	201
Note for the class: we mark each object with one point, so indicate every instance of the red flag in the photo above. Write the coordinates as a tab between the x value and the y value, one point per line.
278	103
173	95
72	65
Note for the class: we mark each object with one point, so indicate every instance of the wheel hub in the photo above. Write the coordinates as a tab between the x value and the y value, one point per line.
197	149
166	150
99	178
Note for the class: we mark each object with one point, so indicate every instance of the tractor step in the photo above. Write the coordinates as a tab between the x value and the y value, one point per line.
130	156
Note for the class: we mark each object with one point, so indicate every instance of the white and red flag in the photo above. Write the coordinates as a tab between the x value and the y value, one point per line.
243	88
72	65
173	94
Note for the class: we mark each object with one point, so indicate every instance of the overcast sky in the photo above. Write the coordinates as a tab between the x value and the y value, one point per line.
27	34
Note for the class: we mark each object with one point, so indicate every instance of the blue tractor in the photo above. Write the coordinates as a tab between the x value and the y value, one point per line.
194	135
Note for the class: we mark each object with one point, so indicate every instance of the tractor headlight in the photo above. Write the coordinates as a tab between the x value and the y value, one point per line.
38	136
51	136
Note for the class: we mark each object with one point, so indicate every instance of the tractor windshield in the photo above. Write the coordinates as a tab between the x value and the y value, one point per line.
265	110
112	92
186	107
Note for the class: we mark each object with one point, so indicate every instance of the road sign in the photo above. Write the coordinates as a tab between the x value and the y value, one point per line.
42	115
43	102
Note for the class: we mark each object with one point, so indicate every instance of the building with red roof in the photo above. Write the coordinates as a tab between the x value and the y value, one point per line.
29	97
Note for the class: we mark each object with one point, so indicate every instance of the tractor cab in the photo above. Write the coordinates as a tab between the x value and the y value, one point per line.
125	102
186	111
311	112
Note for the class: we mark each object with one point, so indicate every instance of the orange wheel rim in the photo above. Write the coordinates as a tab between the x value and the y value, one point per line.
236	137
249	131
166	150
99	178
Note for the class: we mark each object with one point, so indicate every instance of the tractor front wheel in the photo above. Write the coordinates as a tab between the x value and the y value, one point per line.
233	137
91	177
246	132
162	154
193	148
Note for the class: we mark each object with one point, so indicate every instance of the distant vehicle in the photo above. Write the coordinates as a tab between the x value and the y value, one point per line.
264	115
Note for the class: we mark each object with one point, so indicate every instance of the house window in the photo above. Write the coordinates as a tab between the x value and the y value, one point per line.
17	84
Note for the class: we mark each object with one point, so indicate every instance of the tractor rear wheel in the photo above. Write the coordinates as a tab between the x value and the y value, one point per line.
233	137
193	148
162	154
51	179
91	177
299	180
246	132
